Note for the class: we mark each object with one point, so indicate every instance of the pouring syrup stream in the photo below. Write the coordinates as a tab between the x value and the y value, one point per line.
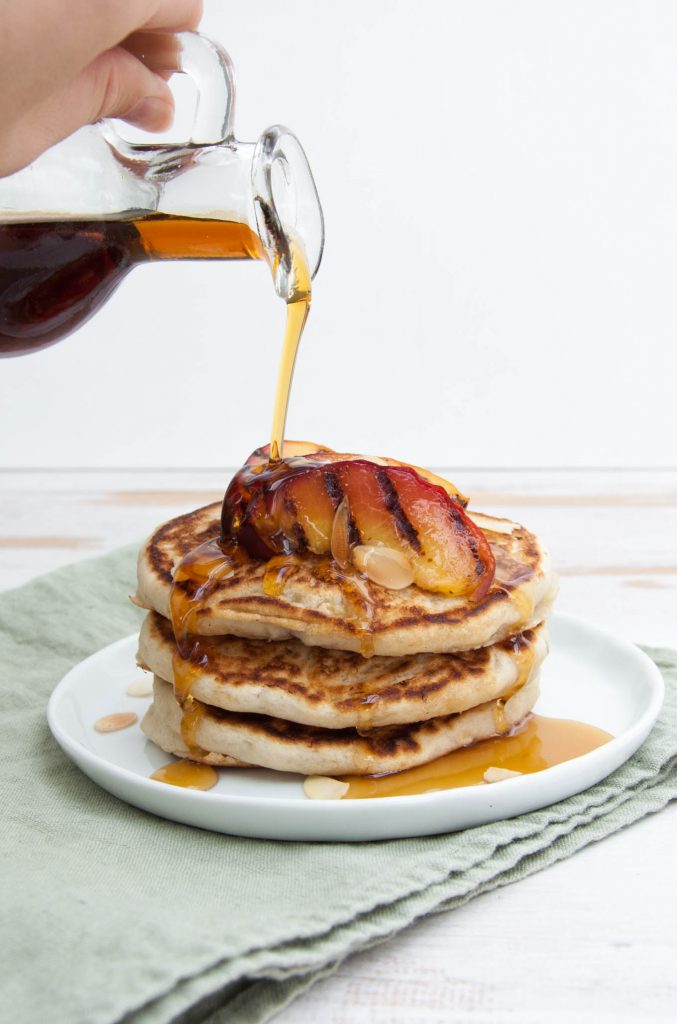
298	308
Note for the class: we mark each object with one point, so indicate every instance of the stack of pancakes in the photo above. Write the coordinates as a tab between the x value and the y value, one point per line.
279	679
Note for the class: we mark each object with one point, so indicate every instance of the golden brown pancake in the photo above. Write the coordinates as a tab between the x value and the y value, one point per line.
288	747
315	607
340	689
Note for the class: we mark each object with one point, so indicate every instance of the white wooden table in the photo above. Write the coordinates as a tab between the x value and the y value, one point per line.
591	939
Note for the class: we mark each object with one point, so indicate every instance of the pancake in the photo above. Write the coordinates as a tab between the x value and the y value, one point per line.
315	606
340	689
284	746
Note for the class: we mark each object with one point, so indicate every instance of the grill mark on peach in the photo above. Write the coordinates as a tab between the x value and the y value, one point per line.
300	538
472	544
459	520
333	488
336	495
354	535
392	502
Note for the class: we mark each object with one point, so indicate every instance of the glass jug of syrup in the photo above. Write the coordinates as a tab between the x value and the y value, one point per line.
77	219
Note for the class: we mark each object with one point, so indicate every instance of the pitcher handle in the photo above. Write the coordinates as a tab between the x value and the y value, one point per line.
209	66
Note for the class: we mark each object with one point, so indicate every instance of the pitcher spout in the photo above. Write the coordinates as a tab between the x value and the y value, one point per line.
287	211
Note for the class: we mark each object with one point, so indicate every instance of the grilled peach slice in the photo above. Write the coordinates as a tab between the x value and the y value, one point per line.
321	454
384	518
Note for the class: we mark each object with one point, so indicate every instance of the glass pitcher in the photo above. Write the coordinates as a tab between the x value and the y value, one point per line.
77	219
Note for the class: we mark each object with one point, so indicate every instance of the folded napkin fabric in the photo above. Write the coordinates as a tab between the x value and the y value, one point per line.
113	915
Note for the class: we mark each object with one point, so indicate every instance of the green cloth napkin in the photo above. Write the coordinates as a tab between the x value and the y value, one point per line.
110	914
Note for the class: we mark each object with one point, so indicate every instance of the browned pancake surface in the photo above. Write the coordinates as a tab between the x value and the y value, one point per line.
287	746
339	689
315	607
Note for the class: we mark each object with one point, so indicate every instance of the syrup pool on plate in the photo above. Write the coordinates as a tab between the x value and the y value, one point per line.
538	744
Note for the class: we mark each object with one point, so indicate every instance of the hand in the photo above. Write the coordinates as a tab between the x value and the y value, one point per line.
63	67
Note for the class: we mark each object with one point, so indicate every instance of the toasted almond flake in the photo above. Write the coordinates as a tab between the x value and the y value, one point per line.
136	600
141	687
499	774
321	787
340	543
490	524
119	720
385	566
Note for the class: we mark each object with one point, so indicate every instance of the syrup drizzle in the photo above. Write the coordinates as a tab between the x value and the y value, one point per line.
539	743
524	605
278	572
297	314
501	720
195	577
187	775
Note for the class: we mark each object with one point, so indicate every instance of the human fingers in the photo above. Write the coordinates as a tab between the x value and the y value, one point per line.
116	84
46	43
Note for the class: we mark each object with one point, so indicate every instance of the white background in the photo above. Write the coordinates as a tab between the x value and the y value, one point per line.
500	271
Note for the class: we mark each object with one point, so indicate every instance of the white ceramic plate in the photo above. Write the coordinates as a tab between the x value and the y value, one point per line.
590	676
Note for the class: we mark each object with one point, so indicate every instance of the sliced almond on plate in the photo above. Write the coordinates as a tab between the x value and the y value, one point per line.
116	721
321	787
500	774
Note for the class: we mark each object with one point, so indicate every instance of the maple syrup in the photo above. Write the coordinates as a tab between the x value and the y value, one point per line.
500	718
278	570
193	712
54	275
297	313
537	744
187	775
195	577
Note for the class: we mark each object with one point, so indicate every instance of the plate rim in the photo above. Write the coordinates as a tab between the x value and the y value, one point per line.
631	737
